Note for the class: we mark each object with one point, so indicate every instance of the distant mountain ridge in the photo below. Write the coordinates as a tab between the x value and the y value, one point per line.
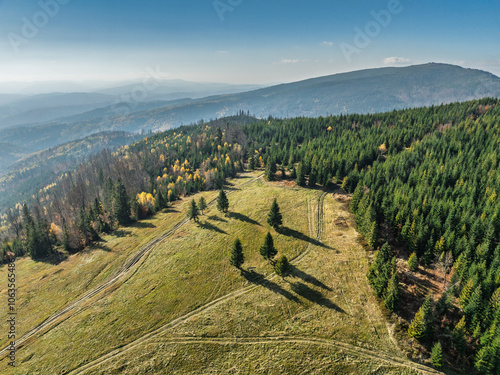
365	91
38	109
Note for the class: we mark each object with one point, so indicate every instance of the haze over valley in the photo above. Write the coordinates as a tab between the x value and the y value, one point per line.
249	187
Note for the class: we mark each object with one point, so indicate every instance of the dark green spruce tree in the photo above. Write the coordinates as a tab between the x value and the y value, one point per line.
202	204
275	219
193	212
122	204
282	266
222	202
301	177
268	251
237	258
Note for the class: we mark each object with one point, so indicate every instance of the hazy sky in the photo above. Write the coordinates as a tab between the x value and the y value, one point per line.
240	41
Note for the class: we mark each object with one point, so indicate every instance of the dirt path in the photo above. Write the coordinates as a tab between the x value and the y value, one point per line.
131	266
177	322
128	269
155	336
352	349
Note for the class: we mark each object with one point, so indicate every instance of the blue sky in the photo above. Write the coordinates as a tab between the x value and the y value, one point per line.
245	41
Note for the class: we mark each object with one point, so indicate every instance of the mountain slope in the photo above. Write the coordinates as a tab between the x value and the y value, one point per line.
45	107
31	173
325	303
367	91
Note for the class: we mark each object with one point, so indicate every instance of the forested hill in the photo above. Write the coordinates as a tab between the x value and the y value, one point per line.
366	91
27	176
425	185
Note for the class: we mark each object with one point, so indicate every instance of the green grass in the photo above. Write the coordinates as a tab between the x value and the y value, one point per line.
327	297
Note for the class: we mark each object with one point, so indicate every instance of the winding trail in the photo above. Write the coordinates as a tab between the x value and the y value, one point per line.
351	349
200	310
155	336
127	270
131	266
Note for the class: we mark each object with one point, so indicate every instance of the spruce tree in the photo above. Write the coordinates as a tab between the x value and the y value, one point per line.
275	219
65	236
193	211
443	304
458	337
268	251
356	198
466	292
488	358
222	202
121	205
312	178
413	262
391	298
421	326
202	204
251	163
474	308
160	202
301	178
268	174
380	271
237	258
282	266
437	355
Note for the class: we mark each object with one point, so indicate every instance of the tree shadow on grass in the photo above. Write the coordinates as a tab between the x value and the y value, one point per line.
294	271
209	226
142	225
216	218
259	279
54	259
103	248
244	218
314	296
300	236
170	211
120	233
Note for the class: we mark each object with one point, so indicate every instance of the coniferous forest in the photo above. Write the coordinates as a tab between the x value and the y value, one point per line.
424	185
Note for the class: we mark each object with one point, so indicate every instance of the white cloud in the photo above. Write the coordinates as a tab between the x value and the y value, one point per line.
223	52
289	61
396	60
327	43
